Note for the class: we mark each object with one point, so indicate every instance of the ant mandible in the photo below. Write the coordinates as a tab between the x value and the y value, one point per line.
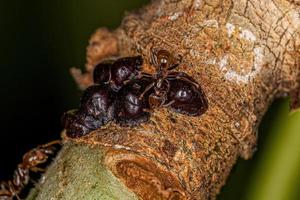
11	189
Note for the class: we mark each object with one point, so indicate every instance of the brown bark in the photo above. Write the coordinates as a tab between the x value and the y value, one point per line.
243	53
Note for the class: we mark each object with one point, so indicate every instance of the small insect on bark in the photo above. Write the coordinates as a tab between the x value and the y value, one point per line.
176	90
31	162
117	73
130	109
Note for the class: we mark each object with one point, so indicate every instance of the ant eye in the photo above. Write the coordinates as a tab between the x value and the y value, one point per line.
187	98
129	106
163	61
125	69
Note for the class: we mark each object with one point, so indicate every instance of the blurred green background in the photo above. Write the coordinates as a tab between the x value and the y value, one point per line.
41	40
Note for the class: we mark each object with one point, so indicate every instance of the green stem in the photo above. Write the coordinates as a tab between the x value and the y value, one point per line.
278	169
78	173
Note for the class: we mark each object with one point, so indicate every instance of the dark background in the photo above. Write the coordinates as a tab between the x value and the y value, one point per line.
39	42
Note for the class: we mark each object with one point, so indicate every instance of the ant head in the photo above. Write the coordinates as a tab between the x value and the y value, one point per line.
164	60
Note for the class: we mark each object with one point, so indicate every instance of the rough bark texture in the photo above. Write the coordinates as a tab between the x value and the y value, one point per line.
243	53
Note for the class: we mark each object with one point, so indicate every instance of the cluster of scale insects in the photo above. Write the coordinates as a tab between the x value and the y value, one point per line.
124	94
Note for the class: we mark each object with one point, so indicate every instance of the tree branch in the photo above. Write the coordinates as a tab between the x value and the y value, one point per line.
243	53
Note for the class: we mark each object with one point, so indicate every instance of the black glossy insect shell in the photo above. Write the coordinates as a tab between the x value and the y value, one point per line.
129	107
98	101
102	72
77	130
125	69
90	122
188	99
74	125
96	109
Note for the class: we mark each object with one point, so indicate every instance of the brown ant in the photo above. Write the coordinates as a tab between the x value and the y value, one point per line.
31	160
173	89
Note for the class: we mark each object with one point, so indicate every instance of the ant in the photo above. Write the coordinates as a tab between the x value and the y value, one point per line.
173	89
31	160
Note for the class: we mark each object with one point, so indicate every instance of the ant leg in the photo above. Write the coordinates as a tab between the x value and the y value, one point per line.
173	67
3	186
139	76
146	90
17	196
183	78
37	169
143	74
153	57
189	81
35	183
49	147
148	110
4	190
125	82
169	104
55	142
14	190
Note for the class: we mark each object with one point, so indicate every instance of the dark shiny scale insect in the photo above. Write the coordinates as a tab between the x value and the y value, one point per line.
186	98
119	72
96	109
97	105
130	108
11	190
174	89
